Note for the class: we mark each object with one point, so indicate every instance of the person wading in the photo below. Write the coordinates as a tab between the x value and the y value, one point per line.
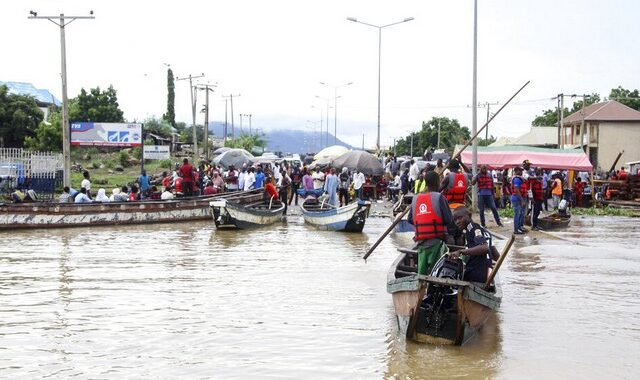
485	195
517	201
430	214
538	197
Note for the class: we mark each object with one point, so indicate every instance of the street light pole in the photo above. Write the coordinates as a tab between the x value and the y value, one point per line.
207	87
474	109
66	132
335	108
380	27
194	99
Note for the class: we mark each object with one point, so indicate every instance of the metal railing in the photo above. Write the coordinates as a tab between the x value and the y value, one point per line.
23	169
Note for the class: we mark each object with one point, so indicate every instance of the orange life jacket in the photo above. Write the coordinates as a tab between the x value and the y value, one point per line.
457	188
485	181
427	218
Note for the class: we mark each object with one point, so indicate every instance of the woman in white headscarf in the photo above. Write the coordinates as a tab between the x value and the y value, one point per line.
102	196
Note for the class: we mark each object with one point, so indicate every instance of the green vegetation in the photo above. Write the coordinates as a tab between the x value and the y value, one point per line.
19	118
505	212
170	116
48	136
96	105
254	143
605	211
451	133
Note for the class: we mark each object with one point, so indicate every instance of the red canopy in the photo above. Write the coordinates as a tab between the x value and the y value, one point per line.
503	157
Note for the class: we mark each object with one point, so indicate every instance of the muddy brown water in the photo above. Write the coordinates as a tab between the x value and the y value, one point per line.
187	301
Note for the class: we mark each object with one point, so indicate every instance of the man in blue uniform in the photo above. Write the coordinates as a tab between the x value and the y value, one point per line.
479	251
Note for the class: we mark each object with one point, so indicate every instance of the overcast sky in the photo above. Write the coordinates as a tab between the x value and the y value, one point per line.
275	53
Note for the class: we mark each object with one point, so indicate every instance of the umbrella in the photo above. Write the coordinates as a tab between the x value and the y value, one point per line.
320	163
221	150
366	162
235	157
331	152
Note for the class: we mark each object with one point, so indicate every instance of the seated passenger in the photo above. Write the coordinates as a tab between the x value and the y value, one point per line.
479	250
65	196
82	197
270	189
166	194
102	196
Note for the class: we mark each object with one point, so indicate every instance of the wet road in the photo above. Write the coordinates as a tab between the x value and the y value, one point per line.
187	301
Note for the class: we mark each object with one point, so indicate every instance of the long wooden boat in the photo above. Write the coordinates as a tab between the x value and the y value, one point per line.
349	218
438	310
57	215
554	221
247	212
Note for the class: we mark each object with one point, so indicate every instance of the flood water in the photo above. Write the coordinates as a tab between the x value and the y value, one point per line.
187	301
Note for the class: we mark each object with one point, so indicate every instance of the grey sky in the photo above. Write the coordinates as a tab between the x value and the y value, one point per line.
274	53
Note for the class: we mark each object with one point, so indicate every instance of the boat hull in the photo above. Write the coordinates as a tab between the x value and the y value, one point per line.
228	215
61	215
349	218
470	307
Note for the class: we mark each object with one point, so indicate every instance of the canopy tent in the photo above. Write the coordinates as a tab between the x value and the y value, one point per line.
503	157
331	152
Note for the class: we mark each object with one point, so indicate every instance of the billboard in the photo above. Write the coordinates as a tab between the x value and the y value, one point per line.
106	134
157	152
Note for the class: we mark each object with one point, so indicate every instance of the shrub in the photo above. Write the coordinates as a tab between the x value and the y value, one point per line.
95	165
123	158
165	164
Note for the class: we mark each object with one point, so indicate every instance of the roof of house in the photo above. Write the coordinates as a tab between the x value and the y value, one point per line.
22	88
605	111
502	141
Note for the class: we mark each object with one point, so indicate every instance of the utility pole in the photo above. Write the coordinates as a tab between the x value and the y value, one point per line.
241	130
249	116
233	128
194	99
207	87
411	145
438	147
562	120
474	110
66	132
363	141
225	121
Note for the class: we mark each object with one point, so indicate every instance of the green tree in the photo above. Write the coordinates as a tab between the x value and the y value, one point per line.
254	143
19	118
626	97
96	106
486	142
48	135
160	127
170	116
550	117
451	133
590	99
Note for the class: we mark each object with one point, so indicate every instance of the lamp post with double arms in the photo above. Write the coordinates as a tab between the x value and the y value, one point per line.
379	27
335	108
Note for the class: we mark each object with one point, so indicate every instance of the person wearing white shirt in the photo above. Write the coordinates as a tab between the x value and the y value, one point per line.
241	176
166	194
318	179
82	197
414	173
249	180
358	181
86	183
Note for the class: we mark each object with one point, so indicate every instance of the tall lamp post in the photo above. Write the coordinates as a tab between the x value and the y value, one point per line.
194	100
249	116
379	27
328	107
66	132
335	108
206	88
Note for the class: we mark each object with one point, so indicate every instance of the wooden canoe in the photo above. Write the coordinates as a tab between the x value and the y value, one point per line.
463	311
349	218
58	215
247	212
554	221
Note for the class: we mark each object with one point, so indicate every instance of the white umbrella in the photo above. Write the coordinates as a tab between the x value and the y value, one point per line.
331	152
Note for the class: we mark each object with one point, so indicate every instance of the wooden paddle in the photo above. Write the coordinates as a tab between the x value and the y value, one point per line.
505	250
384	235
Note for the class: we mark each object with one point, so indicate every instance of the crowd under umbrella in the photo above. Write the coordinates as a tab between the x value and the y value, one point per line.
235	157
332	151
366	162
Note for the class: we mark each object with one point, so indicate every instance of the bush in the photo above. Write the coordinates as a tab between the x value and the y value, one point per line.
137	152
111	163
95	165
123	158
165	164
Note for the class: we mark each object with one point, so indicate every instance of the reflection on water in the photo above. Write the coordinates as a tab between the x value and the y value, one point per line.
185	300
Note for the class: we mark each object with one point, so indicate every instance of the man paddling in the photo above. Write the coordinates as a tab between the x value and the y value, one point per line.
479	251
430	214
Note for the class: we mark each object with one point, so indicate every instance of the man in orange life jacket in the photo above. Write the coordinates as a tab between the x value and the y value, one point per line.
485	194
454	185
479	251
430	214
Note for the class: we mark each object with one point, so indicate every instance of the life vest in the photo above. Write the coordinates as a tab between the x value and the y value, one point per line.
419	186
523	188
485	182
457	188
427	218
536	188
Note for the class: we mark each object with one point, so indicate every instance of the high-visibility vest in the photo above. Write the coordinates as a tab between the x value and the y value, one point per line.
456	188
485	182
419	186
536	188
427	218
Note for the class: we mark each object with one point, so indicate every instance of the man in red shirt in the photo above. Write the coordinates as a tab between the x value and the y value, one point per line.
578	190
270	189
188	178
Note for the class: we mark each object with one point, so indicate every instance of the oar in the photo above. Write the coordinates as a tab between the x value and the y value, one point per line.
270	201
384	235
505	250
485	125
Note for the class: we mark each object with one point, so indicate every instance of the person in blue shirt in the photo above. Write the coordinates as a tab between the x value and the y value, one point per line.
144	182
517	201
485	194
259	178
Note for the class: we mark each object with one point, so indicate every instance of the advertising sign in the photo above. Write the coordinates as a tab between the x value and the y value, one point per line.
157	152
106	134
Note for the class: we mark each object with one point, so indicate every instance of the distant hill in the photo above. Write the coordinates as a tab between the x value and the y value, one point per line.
284	140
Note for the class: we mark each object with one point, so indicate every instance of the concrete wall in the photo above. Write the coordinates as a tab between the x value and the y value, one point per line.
615	137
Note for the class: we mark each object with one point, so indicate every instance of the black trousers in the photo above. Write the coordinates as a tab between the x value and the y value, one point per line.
343	194
537	208
294	192
282	195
